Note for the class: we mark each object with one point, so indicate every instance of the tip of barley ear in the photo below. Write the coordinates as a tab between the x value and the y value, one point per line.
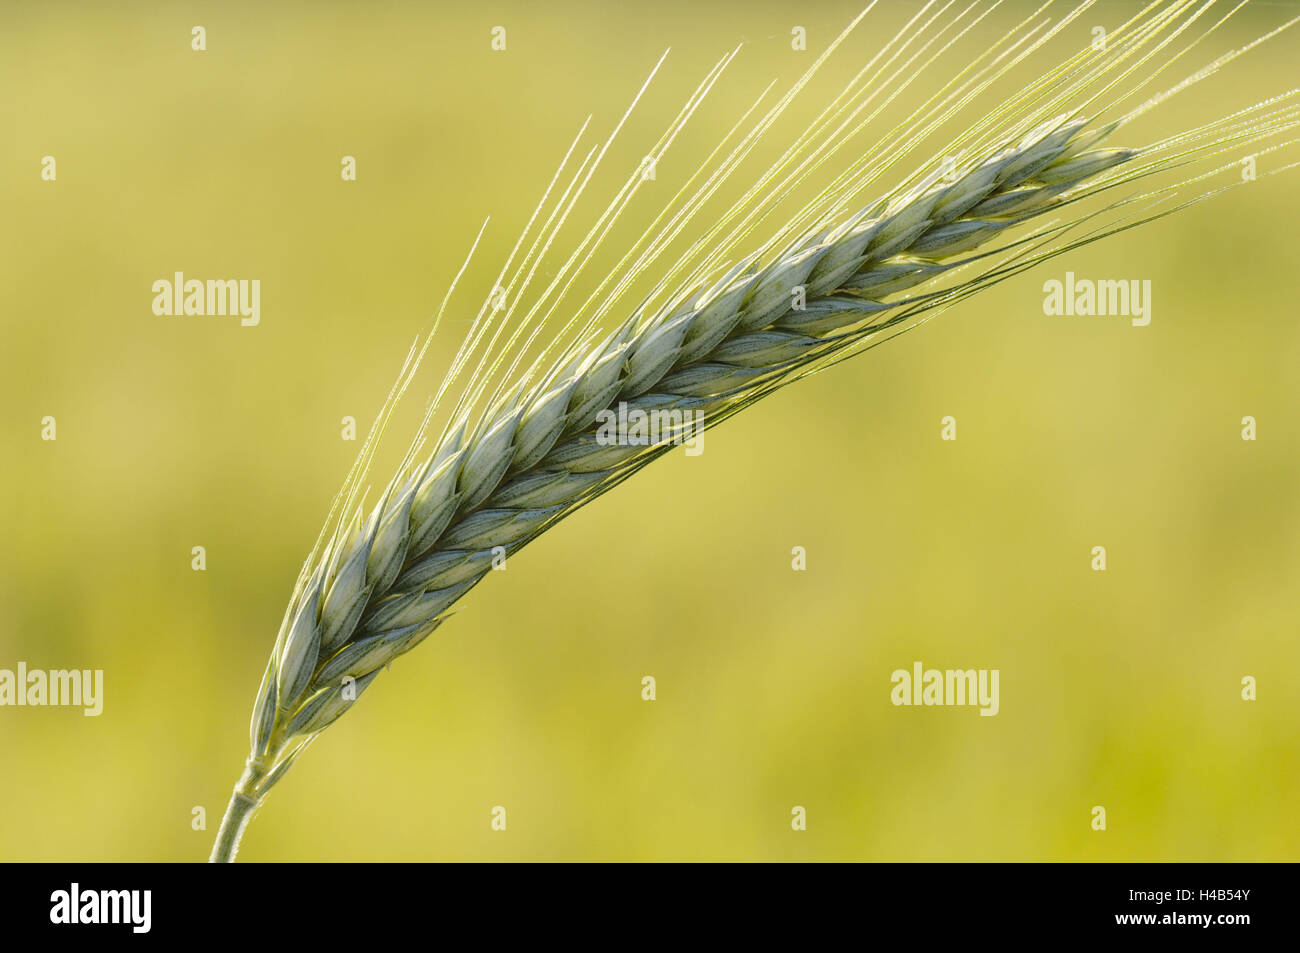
1084	166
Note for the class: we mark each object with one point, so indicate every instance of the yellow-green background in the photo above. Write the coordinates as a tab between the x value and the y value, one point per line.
1118	688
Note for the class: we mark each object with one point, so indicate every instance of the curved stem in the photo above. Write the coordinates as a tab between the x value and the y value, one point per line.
244	801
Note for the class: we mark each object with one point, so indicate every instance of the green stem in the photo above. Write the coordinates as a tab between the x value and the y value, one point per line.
244	802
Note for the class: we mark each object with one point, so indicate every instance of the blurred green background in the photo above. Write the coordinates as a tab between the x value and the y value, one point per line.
1118	689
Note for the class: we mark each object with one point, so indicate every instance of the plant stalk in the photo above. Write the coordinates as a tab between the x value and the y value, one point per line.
244	802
